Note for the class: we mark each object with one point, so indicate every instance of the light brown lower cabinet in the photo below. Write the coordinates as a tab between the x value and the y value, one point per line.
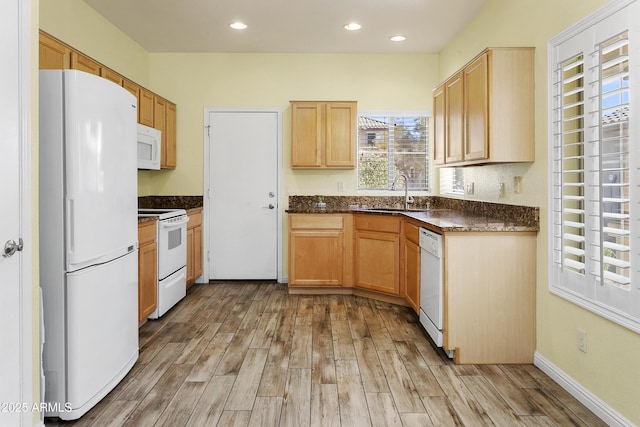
411	265
194	247
377	253
489	277
147	269
319	250
490	281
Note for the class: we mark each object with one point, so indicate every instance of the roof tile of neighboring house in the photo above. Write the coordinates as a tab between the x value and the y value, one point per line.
369	123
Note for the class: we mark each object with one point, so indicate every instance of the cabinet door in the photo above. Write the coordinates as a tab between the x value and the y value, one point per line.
377	261
197	252
170	129
135	91
306	134
190	258
53	54
111	75
340	135
145	107
159	122
316	258
476	110
454	99
412	274
84	63
439	123
147	280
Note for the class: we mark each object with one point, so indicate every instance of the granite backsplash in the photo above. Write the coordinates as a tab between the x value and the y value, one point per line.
525	215
170	202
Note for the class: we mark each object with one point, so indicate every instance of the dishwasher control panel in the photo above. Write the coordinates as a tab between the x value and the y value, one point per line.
431	242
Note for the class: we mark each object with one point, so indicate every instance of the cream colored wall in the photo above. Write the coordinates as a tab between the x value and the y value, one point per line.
196	81
609	369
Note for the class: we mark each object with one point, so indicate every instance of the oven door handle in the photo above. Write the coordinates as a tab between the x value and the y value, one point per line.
166	224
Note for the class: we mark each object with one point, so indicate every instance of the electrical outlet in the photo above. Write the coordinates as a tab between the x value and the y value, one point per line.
582	340
470	189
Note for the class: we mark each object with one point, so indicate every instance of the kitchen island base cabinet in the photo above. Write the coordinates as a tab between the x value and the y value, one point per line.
490	297
319	247
147	270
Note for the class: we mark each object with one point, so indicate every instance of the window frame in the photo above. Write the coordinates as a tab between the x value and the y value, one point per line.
397	113
585	288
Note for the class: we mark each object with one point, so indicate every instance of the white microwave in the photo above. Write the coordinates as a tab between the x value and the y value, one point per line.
149	144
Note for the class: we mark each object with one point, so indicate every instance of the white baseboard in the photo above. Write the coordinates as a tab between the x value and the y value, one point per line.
577	390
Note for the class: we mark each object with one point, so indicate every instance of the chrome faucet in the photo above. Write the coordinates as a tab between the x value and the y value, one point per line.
408	200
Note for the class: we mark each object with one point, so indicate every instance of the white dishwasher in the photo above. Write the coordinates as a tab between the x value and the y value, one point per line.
431	284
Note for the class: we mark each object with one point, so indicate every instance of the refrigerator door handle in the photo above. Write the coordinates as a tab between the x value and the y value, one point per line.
69	225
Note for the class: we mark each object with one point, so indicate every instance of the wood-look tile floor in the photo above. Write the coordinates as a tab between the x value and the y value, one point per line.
249	354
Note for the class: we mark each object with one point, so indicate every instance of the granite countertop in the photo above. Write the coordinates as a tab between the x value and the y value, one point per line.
143	219
191	204
437	213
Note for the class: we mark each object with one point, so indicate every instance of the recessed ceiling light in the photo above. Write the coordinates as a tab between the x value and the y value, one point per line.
238	26
352	26
397	38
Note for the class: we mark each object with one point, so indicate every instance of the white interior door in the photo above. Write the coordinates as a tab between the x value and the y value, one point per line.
15	377
243	195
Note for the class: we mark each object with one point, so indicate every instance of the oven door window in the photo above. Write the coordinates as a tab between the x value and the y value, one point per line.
175	238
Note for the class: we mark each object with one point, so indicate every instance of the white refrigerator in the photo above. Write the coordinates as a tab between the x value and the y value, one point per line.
88	238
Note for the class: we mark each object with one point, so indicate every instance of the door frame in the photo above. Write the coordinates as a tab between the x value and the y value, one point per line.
207	190
27	318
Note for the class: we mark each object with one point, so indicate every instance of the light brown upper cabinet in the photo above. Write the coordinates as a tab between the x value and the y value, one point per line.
170	143
323	134
153	110
164	119
145	108
484	113
438	125
111	75
84	63
53	54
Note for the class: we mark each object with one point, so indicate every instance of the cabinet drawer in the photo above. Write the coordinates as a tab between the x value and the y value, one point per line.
316	222
195	219
386	224
412	232
146	232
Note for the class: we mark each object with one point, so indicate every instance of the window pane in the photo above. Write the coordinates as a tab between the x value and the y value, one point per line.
392	145
614	250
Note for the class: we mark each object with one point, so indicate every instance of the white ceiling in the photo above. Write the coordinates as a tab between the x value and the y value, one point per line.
300	26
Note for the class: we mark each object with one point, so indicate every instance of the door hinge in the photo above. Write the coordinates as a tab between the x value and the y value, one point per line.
208	255
208	130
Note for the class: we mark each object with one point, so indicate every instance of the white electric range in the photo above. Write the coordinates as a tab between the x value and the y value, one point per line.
172	257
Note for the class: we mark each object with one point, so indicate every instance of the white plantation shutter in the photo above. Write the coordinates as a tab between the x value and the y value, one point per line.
595	190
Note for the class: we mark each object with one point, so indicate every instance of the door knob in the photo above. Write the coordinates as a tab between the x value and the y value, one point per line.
271	206
11	247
